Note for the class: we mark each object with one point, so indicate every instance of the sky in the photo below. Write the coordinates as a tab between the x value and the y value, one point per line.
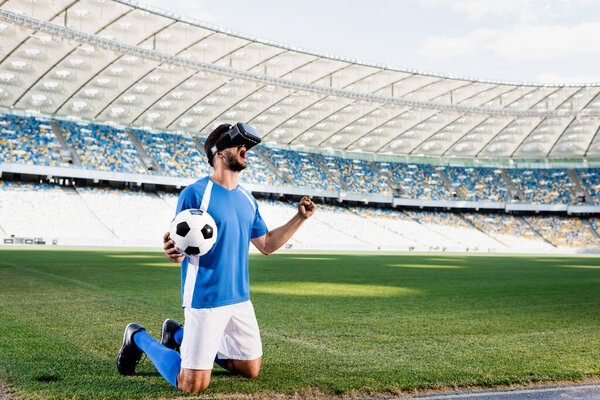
502	40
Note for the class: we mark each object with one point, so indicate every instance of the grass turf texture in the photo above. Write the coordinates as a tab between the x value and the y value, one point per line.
330	322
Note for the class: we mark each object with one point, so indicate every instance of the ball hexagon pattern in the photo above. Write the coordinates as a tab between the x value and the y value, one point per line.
194	232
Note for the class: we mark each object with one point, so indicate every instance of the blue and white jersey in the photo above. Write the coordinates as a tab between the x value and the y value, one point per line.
220	277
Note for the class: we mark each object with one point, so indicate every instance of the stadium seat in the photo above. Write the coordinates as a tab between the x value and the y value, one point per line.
28	140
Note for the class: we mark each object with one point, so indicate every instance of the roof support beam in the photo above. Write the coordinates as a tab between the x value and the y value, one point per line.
113	45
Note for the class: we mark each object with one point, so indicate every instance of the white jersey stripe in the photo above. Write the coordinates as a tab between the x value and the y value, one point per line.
192	269
206	196
190	281
249	198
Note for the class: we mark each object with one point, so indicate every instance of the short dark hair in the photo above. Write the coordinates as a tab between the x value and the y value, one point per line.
213	138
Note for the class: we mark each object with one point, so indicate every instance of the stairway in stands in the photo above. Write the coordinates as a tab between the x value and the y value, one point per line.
67	155
453	190
580	192
148	162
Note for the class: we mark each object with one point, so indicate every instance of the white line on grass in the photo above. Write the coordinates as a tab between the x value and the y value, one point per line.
59	277
491	393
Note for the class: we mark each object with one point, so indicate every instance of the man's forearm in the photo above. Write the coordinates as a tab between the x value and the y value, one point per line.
279	236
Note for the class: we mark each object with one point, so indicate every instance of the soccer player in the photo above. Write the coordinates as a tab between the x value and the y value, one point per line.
220	324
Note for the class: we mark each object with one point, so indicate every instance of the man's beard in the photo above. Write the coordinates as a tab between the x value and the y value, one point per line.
232	163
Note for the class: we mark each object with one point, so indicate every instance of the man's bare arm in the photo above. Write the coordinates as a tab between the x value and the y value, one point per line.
276	238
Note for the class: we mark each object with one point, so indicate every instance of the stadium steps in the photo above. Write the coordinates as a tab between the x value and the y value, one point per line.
511	186
336	228
579	189
92	212
455	191
339	182
523	220
282	175
442	234
395	232
469	223
66	153
589	226
148	162
163	200
393	184
331	226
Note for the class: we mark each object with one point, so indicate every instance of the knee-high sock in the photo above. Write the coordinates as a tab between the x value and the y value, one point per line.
166	361
178	336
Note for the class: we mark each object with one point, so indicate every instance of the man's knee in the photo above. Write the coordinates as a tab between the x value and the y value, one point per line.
252	373
247	369
194	382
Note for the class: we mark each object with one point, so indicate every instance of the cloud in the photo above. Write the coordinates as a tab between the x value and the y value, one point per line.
476	9
554	78
519	43
522	11
186	8
461	46
548	42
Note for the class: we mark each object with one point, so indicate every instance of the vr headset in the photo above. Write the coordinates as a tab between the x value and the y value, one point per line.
239	134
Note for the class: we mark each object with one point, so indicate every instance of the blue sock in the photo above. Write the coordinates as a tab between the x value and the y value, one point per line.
221	361
166	361
178	336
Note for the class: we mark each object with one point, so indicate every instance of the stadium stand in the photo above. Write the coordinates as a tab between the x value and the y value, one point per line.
102	147
477	184
595	223
100	212
548	186
358	175
590	180
508	229
563	231
419	181
300	168
322	232
451	226
134	217
50	212
365	232
259	172
170	198
411	234
177	155
28	140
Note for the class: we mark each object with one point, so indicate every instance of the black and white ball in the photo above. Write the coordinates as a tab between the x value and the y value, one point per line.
194	232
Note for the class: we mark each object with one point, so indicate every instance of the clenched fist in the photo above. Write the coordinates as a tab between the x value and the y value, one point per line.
306	207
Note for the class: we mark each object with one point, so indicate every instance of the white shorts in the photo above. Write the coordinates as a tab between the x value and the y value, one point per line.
231	331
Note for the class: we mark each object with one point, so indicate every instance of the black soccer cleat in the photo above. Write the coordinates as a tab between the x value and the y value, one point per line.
130	354
167	334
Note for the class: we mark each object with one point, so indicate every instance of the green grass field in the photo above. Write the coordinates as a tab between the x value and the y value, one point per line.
330	323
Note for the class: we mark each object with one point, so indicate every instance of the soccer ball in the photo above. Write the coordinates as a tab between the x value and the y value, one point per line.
194	232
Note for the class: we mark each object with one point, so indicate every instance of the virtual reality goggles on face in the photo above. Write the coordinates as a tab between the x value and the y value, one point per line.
239	134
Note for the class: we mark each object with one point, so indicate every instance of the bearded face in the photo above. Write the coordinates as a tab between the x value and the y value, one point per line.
235	158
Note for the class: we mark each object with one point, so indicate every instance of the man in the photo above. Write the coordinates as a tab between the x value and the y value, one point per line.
220	325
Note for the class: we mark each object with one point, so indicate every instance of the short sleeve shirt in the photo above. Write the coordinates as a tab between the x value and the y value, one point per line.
220	277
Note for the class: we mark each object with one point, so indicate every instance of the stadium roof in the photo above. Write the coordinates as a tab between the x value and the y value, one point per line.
122	62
